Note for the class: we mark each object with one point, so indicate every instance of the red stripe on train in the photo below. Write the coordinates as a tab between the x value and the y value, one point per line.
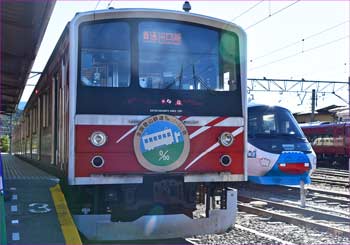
216	121
120	157
294	168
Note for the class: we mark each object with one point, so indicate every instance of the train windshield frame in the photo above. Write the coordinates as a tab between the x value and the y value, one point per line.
265	121
127	60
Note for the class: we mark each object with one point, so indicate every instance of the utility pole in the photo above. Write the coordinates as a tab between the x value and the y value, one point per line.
313	103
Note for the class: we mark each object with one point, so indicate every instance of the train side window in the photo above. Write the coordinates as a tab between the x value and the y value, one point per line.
44	110
34	119
27	125
45	106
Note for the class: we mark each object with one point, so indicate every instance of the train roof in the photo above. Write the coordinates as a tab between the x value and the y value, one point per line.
320	124
163	13
253	104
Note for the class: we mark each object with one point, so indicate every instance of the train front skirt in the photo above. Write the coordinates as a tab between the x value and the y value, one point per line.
281	180
100	227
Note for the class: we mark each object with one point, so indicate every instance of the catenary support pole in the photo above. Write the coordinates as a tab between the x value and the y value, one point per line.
302	194
313	105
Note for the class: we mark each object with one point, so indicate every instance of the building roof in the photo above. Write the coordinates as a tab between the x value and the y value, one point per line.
23	25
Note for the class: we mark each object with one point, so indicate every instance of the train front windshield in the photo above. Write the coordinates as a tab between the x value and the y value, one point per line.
272	121
180	67
274	129
175	56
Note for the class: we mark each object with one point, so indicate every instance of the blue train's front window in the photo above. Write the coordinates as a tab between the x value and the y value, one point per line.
272	121
185	57
274	129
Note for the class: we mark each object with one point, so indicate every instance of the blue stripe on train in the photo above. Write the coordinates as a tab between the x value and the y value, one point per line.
277	177
280	180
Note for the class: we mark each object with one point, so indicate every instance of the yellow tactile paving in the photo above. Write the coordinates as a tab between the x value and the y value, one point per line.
69	230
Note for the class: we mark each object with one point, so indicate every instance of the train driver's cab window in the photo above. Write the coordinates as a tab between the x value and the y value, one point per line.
105	55
269	125
272	121
174	56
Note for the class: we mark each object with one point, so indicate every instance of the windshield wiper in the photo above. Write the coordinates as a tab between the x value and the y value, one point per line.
200	80
179	78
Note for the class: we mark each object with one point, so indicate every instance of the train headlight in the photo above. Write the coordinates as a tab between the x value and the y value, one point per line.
98	138
225	160
97	161
226	139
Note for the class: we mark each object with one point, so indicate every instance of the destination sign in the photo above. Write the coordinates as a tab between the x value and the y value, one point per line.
170	38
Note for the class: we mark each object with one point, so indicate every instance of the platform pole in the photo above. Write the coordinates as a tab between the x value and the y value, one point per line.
302	194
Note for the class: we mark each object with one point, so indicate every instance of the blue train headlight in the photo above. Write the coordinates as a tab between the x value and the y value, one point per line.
98	138
226	139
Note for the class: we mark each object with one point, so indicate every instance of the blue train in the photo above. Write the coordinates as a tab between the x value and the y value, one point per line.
278	152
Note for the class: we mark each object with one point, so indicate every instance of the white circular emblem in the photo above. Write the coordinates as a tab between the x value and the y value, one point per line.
161	143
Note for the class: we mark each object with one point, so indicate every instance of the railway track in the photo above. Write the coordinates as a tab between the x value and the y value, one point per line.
332	172
182	241
261	234
331	177
294	190
336	225
330	181
339	201
325	218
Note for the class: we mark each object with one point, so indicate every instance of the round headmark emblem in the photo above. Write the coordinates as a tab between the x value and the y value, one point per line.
161	143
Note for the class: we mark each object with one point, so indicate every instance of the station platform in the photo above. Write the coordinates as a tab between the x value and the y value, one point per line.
31	210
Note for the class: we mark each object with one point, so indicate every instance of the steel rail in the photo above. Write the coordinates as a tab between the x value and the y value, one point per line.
313	224
331	173
331	181
326	209
329	198
305	212
258	233
283	188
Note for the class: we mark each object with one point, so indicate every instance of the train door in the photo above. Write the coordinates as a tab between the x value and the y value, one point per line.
347	139
62	115
39	124
340	140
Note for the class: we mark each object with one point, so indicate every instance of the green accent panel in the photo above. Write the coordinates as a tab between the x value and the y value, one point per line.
2	221
165	155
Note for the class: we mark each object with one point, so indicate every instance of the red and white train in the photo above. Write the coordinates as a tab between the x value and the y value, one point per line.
330	141
142	113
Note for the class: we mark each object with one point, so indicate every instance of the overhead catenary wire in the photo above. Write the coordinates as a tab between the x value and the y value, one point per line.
298	53
302	40
270	15
97	4
246	11
109	4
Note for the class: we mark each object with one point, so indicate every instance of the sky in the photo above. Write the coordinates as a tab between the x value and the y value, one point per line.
286	40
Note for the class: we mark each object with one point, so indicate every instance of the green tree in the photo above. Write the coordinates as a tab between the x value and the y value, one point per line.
5	143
